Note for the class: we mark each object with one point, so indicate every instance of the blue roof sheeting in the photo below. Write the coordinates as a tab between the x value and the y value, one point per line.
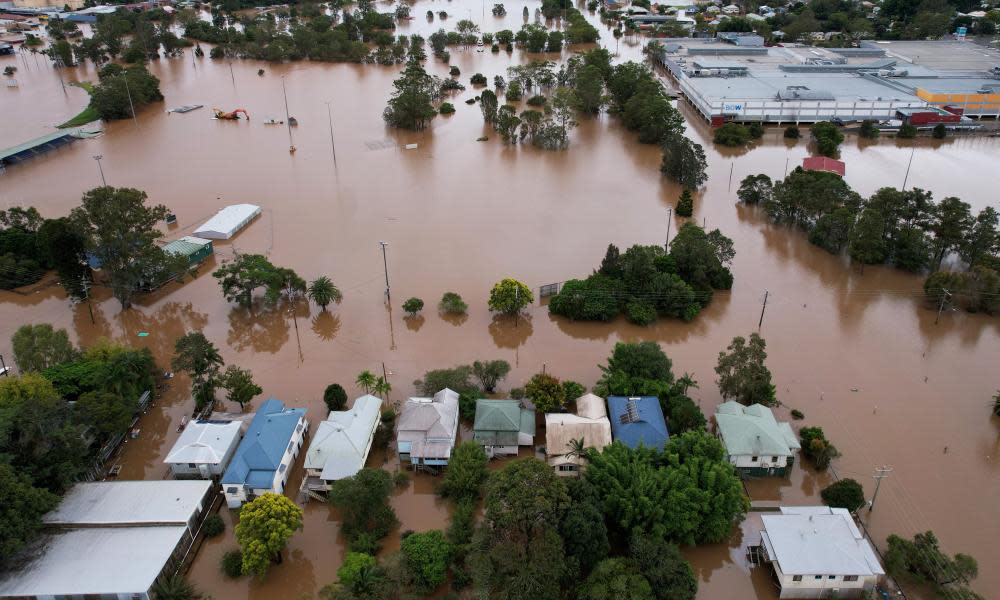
649	429
259	454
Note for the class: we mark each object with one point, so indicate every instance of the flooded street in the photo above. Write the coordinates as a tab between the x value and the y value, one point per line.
859	354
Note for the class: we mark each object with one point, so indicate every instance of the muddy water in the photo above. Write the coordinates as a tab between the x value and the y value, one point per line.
459	215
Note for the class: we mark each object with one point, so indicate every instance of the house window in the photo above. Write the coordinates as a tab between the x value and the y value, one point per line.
774	459
819	577
192	466
232	490
281	468
566	468
831	576
796	578
850	577
291	445
754	459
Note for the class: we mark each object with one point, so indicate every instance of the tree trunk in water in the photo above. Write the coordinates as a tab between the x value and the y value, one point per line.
277	558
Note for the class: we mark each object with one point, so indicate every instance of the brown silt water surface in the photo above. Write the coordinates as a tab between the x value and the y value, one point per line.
859	354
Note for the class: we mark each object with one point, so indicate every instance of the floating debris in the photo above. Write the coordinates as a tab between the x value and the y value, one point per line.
185	109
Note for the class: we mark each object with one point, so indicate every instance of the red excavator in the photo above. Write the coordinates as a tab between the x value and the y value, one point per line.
231	116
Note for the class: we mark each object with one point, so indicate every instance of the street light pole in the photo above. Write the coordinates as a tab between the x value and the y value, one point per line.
880	474
333	147
98	158
130	105
385	264
670	215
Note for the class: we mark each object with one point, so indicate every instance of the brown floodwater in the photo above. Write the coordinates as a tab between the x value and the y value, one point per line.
859	354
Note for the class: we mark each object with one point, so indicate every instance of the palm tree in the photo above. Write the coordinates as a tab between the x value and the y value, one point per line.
322	291
577	447
685	382
382	387
174	588
366	381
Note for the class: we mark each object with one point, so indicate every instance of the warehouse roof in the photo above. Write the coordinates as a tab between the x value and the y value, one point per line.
228	222
129	503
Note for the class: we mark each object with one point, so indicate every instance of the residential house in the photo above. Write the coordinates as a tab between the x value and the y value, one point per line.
204	449
340	446
264	458
503	425
755	442
110	540
731	10
589	425
818	552
637	421
428	428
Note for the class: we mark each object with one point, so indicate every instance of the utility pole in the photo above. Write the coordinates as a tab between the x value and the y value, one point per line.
907	176
945	296
130	105
761	321
329	116
98	158
880	474
3	367
786	166
288	119
731	167
85	286
385	264
670	215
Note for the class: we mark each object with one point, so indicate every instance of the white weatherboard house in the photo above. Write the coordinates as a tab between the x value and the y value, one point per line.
755	442
204	449
427	429
110	540
341	443
818	551
590	424
228	222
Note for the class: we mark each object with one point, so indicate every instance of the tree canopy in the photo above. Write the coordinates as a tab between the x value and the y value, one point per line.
266	524
363	502
466	473
743	376
510	296
38	347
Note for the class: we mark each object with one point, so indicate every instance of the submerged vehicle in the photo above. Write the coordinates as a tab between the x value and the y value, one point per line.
232	115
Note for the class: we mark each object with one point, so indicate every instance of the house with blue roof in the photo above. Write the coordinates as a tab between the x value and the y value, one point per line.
637	421
265	457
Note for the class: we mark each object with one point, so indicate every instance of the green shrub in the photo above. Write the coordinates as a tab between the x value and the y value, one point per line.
940	132
792	132
214	526
868	130
732	134
756	130
907	131
478	79
817	448
513	91
232	564
846	493
454	71
452	304
685	206
640	312
797	414
413	305
538	100
335	397
447	108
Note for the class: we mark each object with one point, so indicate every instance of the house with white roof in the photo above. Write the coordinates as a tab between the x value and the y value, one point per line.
756	443
590	425
731	9
228	222
428	428
341	444
818	552
204	449
110	540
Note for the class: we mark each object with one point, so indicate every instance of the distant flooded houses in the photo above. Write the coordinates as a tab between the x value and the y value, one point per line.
264	458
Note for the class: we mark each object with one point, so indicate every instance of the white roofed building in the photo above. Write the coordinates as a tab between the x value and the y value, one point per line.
818	552
228	222
110	540
342	442
428	428
590	424
204	449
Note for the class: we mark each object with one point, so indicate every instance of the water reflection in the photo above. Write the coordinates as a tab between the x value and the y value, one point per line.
414	322
453	318
510	331
257	329
326	325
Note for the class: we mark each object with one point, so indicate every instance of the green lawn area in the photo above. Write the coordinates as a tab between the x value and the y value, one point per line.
86	115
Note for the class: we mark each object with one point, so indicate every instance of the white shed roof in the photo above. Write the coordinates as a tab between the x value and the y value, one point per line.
818	540
204	442
129	503
102	560
228	221
341	443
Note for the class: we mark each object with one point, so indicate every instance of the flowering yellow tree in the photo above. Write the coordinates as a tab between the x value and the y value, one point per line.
265	526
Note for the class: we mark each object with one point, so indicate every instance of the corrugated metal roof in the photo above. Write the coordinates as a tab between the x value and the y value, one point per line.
228	221
753	431
39	141
341	443
129	502
649	430
204	442
186	245
819	540
435	419
259	454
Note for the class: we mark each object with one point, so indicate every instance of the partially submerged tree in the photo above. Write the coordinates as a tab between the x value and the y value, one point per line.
490	372
266	524
322	291
335	397
509	296
466	473
845	493
684	161
195	355
922	560
545	392
743	376
239	385
363	502
38	347
410	106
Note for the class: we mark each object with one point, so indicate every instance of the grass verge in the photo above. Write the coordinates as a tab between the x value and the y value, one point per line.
86	115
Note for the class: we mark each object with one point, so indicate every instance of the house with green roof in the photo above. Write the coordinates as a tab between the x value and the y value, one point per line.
503	425
756	443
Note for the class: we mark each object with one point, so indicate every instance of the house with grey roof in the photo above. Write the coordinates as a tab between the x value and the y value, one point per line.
342	442
503	425
818	552
428	428
756	443
204	449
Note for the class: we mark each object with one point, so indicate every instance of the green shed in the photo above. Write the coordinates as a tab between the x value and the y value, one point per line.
194	248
